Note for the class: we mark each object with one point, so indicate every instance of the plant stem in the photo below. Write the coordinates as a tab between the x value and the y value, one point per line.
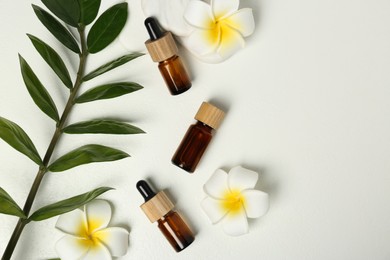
56	136
14	239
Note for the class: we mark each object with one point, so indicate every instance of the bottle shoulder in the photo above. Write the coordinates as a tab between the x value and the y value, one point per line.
199	126
170	60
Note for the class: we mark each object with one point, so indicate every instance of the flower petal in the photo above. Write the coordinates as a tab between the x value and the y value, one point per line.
199	14
235	224
231	41
242	21
224	8
153	8
97	252
256	203
98	213
213	209
70	247
169	14
217	185
115	239
175	17
241	178
202	42
72	223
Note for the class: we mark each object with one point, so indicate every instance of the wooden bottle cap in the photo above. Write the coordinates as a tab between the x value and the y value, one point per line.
162	48
210	115
157	207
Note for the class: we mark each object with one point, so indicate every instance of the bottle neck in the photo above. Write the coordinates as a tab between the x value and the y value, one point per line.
168	214
169	59
203	125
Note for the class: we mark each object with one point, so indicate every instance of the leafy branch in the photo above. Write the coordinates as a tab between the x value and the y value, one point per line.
77	14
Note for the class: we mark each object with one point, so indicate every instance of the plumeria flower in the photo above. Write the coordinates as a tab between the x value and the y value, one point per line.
212	32
219	28
88	236
232	199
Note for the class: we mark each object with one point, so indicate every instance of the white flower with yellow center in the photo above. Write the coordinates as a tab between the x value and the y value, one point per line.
88	237
219	28
212	32
232	199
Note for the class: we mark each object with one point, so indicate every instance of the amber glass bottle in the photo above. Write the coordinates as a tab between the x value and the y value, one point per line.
198	137
158	207
162	48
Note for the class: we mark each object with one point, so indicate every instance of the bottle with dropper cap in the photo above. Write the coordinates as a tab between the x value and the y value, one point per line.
162	49
158	207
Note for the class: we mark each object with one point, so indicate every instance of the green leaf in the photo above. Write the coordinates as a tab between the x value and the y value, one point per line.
57	29
18	139
89	10
67	205
53	59
102	127
112	65
37	91
107	27
67	10
8	205
108	91
86	154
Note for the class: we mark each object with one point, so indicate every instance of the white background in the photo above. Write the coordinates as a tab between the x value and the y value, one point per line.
307	105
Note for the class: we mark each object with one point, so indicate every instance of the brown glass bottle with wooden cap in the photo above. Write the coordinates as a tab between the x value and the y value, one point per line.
158	207
198	137
162	48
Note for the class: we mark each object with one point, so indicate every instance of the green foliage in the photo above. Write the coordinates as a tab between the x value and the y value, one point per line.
52	59
15	136
37	91
67	10
102	127
108	91
57	29
78	14
107	27
111	65
88	10
9	206
86	154
67	205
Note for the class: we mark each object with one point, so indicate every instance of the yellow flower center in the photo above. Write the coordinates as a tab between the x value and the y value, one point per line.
89	238
221	32
233	202
213	35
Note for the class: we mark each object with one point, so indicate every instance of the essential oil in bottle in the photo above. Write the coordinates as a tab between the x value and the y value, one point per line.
158	207
162	48
198	137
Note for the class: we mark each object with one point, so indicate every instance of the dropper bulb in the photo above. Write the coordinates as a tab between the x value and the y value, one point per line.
145	190
153	28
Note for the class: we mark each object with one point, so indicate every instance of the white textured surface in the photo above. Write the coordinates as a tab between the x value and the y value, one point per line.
308	107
